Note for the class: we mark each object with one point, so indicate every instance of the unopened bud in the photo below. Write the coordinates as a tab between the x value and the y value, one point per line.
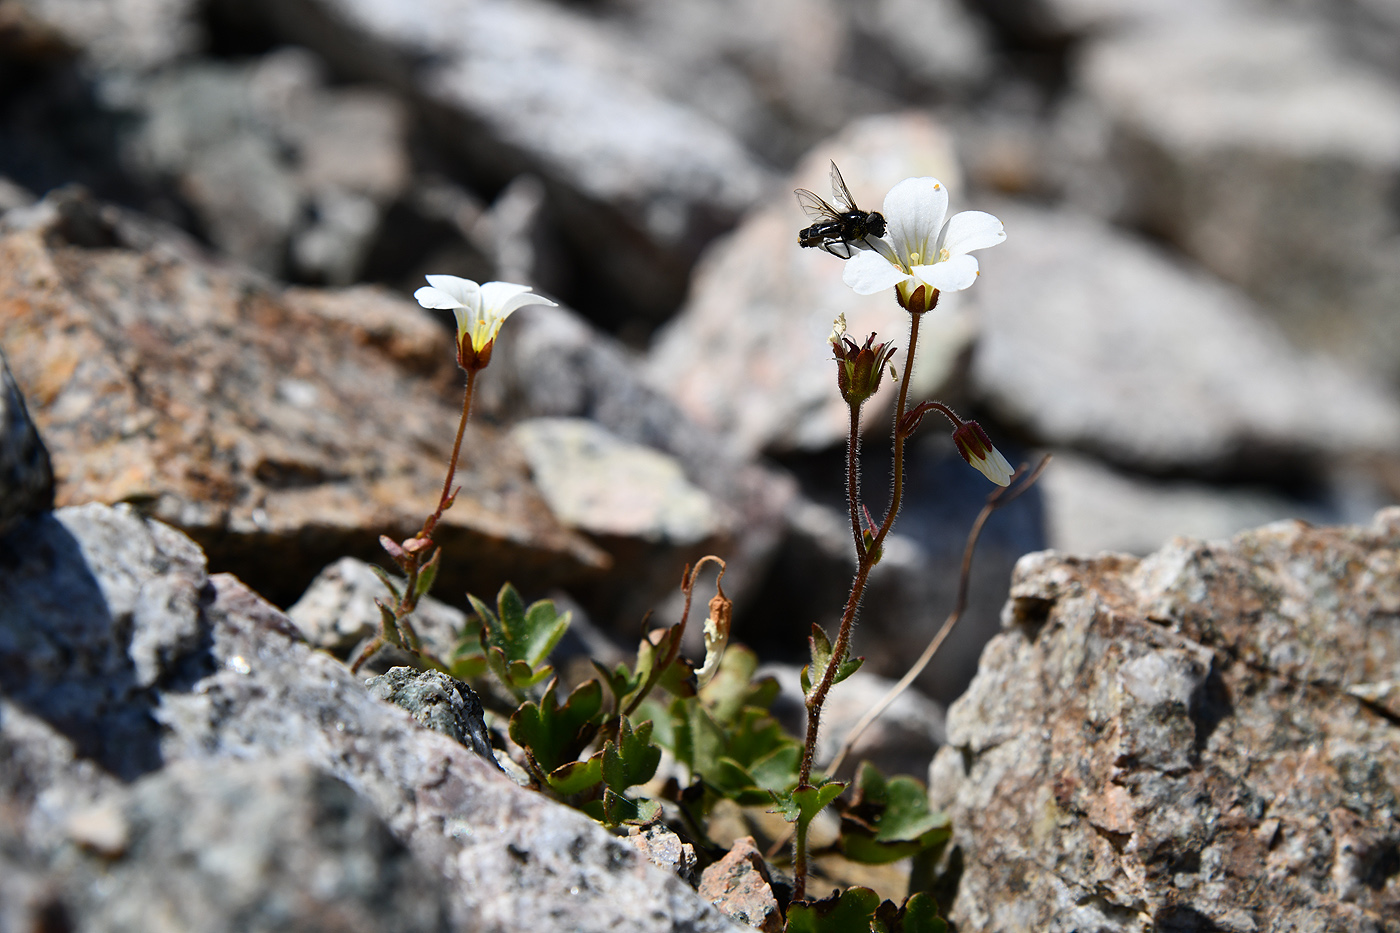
976	448
859	369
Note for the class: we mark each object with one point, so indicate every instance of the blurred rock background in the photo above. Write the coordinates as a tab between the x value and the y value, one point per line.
1194	309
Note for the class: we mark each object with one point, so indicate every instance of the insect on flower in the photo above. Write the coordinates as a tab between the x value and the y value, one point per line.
840	230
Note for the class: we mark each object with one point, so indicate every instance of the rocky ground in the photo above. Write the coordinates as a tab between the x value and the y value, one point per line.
212	213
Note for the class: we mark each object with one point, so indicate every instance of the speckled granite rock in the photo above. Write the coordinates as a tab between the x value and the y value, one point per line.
130	679
1202	739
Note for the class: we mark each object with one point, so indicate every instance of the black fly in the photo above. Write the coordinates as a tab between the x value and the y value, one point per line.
839	230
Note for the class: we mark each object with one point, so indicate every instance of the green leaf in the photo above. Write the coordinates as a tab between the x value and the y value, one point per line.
755	735
777	771
468	668
849	911
621	681
889	819
847	668
391	582
805	803
920	915
821	651
553	734
427	574
575	777
633	760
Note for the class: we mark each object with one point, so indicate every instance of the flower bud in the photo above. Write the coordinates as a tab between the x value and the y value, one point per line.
976	448
859	369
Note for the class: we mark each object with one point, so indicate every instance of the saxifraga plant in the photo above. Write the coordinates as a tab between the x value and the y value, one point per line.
599	747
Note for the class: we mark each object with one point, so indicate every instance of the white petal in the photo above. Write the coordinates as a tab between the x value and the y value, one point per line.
996	468
502	298
914	212
430	297
971	230
868	272
465	291
951	275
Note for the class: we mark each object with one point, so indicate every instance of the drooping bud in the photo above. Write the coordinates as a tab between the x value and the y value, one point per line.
859	369
976	448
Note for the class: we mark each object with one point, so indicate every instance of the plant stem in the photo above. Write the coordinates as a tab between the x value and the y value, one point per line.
865	561
853	481
445	500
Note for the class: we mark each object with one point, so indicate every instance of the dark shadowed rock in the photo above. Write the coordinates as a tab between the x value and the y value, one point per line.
26	474
226	680
281	437
280	171
1191	741
438	702
637	182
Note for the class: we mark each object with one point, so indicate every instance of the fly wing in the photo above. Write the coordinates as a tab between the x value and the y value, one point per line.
815	206
839	192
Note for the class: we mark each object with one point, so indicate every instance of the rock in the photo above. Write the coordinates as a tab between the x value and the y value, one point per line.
265	429
596	482
128	35
739	885
26	474
439	702
275	844
666	851
1091	508
337	613
1092	339
1176	743
1269	156
637	183
748	355
549	363
233	685
281	171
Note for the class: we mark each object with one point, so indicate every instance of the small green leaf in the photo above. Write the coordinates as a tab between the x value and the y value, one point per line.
575	777
428	573
805	803
849	911
889	819
633	760
847	668
728	691
468	668
920	915
553	734
391	582
777	771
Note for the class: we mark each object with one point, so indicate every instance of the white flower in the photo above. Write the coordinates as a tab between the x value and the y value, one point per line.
919	249
480	309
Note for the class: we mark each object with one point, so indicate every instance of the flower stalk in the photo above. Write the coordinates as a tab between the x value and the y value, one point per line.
480	310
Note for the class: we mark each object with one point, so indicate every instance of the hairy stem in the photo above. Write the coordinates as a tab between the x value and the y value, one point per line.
865	561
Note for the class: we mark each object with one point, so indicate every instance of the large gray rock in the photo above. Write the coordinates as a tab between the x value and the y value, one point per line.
178	676
637	182
1203	739
1269	155
1094	339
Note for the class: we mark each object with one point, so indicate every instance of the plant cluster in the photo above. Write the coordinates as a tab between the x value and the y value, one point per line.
600	745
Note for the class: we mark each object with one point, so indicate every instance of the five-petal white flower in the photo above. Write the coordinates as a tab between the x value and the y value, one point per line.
480	309
919	249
